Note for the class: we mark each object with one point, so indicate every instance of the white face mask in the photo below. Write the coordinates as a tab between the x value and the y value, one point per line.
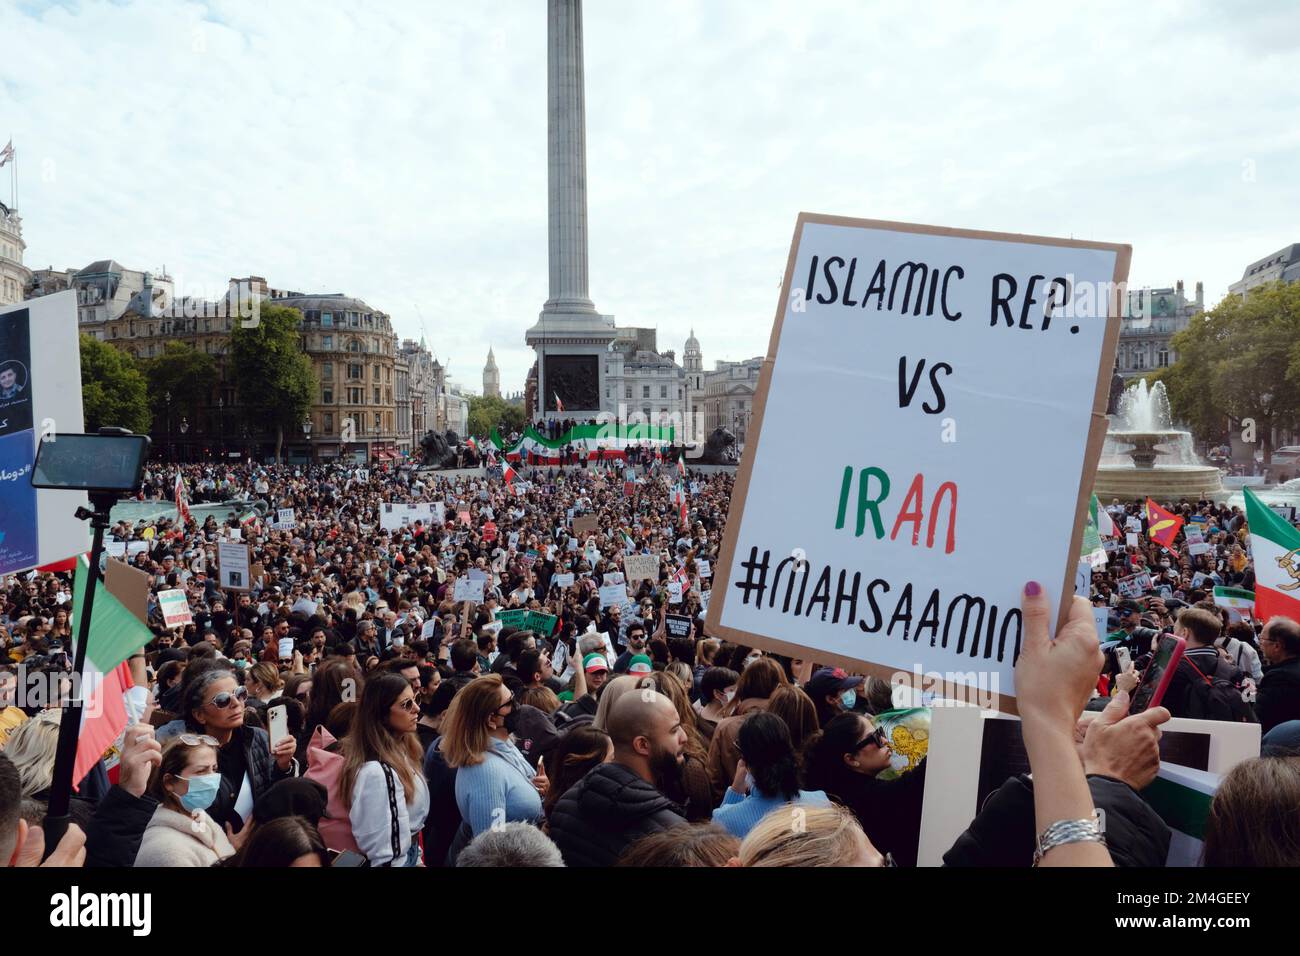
728	695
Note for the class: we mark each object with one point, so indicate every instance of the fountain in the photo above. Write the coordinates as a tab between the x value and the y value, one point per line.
1146	456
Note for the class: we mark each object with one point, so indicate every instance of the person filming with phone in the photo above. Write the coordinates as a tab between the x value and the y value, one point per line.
1203	684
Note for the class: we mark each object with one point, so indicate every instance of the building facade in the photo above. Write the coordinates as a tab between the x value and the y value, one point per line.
424	384
1151	319
641	384
727	398
14	276
1283	265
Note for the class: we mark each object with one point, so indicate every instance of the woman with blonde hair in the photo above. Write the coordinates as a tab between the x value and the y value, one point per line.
809	836
609	696
383	779
263	682
494	782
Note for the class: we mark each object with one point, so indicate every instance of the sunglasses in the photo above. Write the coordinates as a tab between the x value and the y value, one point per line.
876	737
409	705
226	698
509	703
197	740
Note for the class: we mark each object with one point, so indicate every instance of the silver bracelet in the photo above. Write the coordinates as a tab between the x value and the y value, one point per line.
1062	832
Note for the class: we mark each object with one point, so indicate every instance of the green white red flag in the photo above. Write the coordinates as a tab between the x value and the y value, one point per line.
1275	547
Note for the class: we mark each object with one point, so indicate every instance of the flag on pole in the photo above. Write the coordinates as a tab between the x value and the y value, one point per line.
182	506
115	634
1238	599
7	153
509	475
472	444
1275	546
628	544
559	405
1162	526
681	468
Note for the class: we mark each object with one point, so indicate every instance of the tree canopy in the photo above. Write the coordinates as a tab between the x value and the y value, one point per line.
272	374
489	411
113	390
184	373
1241	360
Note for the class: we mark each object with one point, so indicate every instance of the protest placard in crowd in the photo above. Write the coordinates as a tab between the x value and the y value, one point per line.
947	335
1135	585
175	608
584	525
232	566
468	589
641	567
283	519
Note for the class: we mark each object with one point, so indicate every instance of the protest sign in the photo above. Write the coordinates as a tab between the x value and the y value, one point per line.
957	330
304	606
629	488
468	589
1194	533
562	580
1286	512
363	474
704	569
175	608
1101	620
674	592
285	648
1132	540
1200	547
1135	585
541	623
130	586
972	752
584	525
1083	579
677	625
704	600
1133	523
232	566
514	617
614	577
283	520
641	567
612	594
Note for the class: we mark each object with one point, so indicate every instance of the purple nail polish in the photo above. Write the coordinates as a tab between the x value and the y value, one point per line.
1033	588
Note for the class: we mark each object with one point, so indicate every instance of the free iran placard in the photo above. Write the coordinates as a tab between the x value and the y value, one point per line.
926	432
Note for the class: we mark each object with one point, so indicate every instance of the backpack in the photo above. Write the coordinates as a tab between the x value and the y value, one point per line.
327	769
1217	695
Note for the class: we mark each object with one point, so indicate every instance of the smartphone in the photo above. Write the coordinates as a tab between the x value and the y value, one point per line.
1160	671
278	723
347	858
1123	658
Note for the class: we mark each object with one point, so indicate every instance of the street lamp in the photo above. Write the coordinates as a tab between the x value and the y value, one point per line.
221	425
306	434
167	399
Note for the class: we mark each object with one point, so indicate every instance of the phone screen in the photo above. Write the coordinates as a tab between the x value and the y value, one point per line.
1153	678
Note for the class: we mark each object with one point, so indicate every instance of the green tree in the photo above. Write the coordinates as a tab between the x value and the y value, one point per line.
273	376
113	390
1240	359
184	373
489	411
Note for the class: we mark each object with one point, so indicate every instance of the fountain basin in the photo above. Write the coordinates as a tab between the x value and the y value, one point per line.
1166	483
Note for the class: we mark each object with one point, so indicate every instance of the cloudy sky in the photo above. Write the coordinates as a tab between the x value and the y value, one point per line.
397	151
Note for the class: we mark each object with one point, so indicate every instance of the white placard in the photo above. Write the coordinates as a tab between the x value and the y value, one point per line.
1135	585
1083	579
1193	532
304	606
1101	617
613	594
285	648
674	592
284	520
1200	547
562	580
946	336
175	608
1133	523
641	567
232	566
469	589
1131	539
704	569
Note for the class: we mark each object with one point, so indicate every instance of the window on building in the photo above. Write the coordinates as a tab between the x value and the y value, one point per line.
1162	358
1141	360
663	391
327	319
354	320
329	424
378	419
327	342
355	371
628	392
376	375
327	370
376	395
645	391
327	396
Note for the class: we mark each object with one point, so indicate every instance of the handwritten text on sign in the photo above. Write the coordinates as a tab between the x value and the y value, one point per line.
966	366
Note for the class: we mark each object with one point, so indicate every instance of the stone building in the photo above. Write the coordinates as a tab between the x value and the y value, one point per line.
491	377
1283	265
14	276
727	399
1149	323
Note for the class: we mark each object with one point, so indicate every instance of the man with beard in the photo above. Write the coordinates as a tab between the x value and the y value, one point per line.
619	802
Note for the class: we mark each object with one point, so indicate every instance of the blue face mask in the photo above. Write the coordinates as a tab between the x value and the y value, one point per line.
848	699
202	791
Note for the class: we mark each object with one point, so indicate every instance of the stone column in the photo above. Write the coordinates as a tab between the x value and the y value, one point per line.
567	160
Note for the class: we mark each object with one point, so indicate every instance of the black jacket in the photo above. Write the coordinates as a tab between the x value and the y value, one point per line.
1278	696
257	763
114	834
605	812
444	820
1003	834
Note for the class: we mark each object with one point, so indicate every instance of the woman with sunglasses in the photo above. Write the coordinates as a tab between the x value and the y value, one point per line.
185	784
767	776
214	705
844	760
495	783
383	781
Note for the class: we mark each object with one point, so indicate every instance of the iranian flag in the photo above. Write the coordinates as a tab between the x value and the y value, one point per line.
1238	599
1274	545
115	634
509	475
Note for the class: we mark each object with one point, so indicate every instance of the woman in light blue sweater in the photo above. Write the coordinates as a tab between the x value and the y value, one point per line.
767	776
495	784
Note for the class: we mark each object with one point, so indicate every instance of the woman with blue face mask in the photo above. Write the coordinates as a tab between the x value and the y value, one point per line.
185	783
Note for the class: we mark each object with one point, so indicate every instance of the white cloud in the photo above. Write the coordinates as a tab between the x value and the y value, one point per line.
396	151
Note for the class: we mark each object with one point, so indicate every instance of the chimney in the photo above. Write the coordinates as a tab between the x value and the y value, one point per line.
1200	296
1179	288
147	295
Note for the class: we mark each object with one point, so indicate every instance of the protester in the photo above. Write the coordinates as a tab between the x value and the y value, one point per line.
695	846
1253	819
757	682
186	783
382	781
767	775
1279	690
512	844
825	836
576	753
619	802
288	841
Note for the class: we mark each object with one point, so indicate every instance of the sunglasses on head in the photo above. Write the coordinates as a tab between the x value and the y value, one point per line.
876	737
196	740
226	698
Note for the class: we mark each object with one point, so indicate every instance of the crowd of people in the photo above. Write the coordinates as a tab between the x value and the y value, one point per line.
575	716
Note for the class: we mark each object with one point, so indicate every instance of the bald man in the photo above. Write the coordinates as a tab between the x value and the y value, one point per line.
619	802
